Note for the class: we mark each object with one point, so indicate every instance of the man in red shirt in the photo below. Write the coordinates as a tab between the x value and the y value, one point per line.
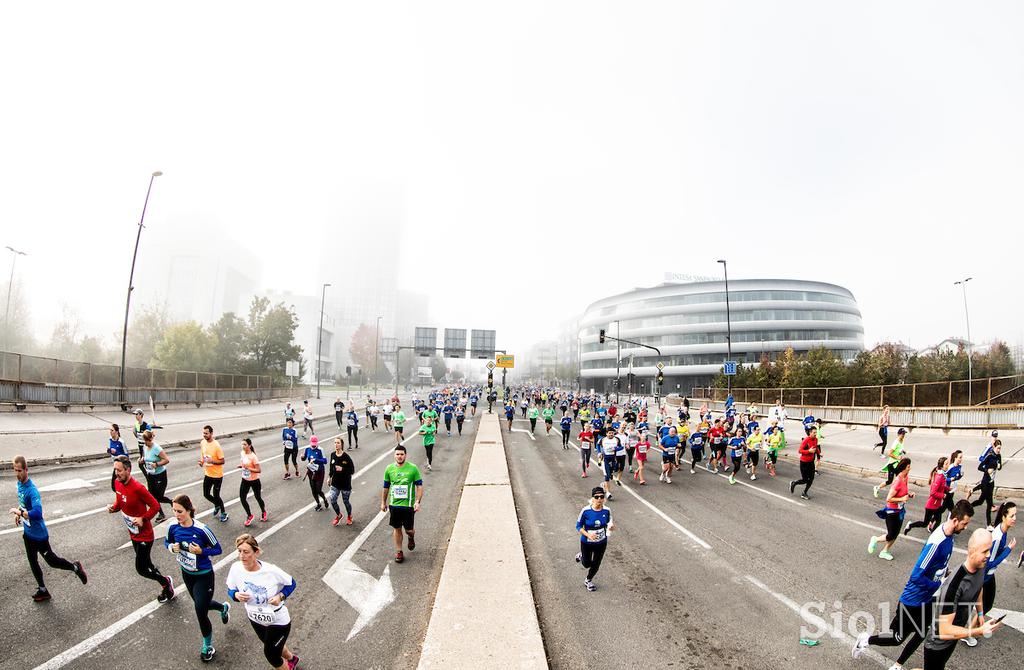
716	436
809	452
138	507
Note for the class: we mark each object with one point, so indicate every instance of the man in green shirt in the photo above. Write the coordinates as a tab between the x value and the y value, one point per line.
896	454
549	416
398	419
400	480
428	416
429	432
533	414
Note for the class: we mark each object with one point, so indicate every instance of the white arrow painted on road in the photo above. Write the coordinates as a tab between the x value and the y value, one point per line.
520	430
69	485
366	595
1013	619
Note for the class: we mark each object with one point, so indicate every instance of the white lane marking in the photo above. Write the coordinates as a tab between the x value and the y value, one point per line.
877	528
815	620
364	593
69	485
520	430
49	523
90	643
1013	619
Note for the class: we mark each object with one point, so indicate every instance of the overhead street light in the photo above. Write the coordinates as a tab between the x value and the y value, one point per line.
7	312
728	320
970	365
131	279
320	338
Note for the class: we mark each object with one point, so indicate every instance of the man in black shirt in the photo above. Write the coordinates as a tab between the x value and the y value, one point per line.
339	411
340	468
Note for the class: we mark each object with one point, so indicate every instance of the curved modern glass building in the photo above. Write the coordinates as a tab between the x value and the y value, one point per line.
687	322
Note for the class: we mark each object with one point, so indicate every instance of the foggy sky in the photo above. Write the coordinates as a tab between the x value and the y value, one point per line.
550	154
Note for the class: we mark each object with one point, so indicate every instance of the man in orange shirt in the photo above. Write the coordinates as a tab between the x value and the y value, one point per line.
211	460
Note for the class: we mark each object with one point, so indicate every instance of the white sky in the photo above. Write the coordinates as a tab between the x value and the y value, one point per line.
875	145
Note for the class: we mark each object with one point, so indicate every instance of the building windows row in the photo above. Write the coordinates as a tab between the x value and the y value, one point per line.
734	296
737	317
740	336
748	358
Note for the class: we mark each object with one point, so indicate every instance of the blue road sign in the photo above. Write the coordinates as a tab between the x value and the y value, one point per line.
730	367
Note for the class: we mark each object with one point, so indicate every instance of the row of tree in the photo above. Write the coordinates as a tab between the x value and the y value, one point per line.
888	363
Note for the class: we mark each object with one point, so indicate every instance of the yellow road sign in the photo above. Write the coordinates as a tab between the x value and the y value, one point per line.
505	361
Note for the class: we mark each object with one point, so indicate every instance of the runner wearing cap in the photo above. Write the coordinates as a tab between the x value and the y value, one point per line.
315	462
593	525
896	454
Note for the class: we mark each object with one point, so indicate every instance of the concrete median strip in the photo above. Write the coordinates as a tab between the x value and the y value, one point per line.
484	614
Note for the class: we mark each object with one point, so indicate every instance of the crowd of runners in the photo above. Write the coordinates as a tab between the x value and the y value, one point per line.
261	587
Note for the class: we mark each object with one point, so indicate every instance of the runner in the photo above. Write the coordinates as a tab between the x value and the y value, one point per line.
584	417
586	438
460	418
1002	547
289	412
895	455
263	587
632	439
883	429
154	466
534	413
307	419
138	430
609	445
510	414
339	410
696	449
754	449
668	454
914	609
428	429
388	409
894	511
549	418
398	419
737	448
397	497
352	425
251	469
565	423
374	415
683	431
716	436
993	460
620	454
193	543
313	456
473	400
29	515
290	441
953	475
211	460
937	492
809	451
593	525
776	443
642	447
341	468
448	412
115	447
137	507
429	415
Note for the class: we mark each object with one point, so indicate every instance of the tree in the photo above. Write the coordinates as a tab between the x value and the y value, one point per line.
229	341
145	329
361	350
16	331
996	362
818	368
185	346
786	367
269	340
438	369
64	339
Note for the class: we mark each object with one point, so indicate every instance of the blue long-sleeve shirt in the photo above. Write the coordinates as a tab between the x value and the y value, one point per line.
29	500
999	553
953	474
198	533
314	455
288	435
931	565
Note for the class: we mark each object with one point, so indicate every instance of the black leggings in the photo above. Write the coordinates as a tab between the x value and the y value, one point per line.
987	487
629	455
294	455
256	486
593	553
585	457
353	436
737	463
144	562
316	486
458	424
337	417
806	475
157	484
988	595
910	624
430	453
931	516
211	491
36	548
565	438
273	639
308	424
201	587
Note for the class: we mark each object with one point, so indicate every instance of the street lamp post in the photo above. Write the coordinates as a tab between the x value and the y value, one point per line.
131	280
618	357
7	312
376	355
320	338
728	321
970	366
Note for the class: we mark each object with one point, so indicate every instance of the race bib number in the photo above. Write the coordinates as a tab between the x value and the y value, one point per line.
267	615
150	466
599	534
132	527
187	560
400	491
286	444
246	473
313	467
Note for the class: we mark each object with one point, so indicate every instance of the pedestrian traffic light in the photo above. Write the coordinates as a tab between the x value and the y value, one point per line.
600	336
661	378
348	370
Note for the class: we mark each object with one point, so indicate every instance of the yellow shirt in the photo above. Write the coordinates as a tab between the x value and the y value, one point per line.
211	451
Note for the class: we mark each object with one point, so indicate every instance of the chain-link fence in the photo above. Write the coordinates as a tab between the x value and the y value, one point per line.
990	392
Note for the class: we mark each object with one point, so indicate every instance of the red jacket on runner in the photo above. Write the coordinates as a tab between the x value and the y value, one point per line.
132	499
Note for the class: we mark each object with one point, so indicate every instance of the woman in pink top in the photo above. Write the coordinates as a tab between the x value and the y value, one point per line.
250	467
938	488
894	512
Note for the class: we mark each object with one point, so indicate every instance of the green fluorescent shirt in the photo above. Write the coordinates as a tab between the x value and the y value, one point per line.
429	414
428	430
548	414
401	483
398	418
534	413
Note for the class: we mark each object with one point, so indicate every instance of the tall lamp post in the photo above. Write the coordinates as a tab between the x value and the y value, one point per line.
131	279
618	357
970	366
376	355
320	338
7	312
728	320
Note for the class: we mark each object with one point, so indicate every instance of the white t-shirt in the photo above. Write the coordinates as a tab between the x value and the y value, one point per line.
262	585
609	445
307	413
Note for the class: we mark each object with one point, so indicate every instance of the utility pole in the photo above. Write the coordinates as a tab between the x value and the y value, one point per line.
7	313
728	321
967	317
320	338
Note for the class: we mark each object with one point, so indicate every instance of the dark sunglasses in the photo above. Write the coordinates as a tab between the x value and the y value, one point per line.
599	497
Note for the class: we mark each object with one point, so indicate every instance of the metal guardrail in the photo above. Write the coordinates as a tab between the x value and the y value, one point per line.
65	394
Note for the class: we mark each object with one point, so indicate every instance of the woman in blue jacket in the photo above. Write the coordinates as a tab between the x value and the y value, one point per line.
315	468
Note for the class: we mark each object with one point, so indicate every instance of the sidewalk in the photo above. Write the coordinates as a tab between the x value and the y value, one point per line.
50	437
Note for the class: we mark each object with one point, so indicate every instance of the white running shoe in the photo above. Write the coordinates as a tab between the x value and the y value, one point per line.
971	641
860	645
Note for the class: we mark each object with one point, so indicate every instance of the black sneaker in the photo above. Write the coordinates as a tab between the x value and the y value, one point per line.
805	496
41	596
80	572
579	557
159	518
1020	562
792	487
167	594
207	655
412	543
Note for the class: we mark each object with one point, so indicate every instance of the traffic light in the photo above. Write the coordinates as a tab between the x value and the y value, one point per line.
600	336
490	378
348	370
661	378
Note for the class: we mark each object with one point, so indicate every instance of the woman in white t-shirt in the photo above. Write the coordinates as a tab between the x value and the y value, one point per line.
263	587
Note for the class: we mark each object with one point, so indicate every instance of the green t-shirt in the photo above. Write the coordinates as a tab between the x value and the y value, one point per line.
401	483
428	430
548	413
895	453
398	418
534	413
428	414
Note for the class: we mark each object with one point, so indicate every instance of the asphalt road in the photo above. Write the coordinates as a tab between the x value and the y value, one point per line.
701	574
302	542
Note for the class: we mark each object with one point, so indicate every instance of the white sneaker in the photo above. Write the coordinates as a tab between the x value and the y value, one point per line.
860	645
971	641
895	666
667	480
753	477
